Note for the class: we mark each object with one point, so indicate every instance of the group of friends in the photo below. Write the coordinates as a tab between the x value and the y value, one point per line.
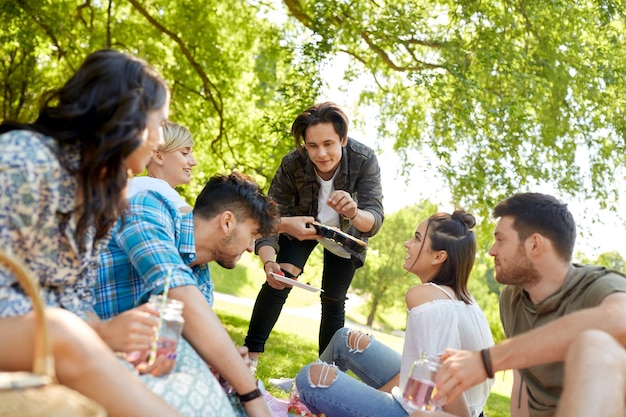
102	241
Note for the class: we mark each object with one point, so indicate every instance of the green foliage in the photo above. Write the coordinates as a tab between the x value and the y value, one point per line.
507	95
237	78
611	260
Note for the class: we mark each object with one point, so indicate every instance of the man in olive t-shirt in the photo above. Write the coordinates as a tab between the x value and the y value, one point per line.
547	303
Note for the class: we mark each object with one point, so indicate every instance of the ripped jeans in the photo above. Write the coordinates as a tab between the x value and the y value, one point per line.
328	389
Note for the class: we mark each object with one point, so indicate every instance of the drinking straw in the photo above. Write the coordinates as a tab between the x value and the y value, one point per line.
155	342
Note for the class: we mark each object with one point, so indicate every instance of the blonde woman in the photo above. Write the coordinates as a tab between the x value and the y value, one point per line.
169	167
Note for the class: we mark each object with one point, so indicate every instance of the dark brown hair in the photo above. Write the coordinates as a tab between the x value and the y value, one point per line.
453	233
241	195
103	108
326	112
543	214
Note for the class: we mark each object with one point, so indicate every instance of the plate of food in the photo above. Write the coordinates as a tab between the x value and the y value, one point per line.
295	282
349	242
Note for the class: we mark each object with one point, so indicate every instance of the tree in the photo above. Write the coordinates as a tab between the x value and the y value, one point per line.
611	260
507	94
237	78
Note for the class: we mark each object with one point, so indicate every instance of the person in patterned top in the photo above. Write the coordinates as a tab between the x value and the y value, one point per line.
62	185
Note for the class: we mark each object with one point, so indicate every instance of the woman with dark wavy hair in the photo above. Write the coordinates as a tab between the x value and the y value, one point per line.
441	314
62	186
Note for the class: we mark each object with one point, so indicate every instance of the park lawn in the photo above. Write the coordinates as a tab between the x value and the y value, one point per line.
293	343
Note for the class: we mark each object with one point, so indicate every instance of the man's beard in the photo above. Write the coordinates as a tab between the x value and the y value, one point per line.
522	273
223	256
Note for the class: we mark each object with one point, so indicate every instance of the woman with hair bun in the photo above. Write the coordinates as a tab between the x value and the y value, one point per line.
441	314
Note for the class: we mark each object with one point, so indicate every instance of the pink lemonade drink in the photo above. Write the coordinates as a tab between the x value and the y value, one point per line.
165	346
136	355
418	393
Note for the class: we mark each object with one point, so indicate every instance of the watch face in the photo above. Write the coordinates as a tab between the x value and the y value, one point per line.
349	242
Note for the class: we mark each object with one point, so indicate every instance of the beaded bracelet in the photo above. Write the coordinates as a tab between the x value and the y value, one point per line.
256	393
486	357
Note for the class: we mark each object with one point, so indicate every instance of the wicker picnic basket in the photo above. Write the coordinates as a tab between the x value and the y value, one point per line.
37	393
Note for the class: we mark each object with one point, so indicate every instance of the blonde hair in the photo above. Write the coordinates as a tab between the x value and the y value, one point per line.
175	137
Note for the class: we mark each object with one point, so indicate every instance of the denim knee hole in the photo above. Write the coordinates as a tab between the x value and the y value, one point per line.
326	371
359	342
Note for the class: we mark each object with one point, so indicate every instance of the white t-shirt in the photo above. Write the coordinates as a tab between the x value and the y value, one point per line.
155	184
438	325
326	215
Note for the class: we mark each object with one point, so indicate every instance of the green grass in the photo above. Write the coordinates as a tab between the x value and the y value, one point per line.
293	344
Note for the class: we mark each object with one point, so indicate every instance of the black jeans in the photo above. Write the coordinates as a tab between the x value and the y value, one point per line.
336	279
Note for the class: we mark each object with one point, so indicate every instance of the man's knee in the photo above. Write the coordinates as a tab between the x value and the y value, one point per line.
330	304
597	347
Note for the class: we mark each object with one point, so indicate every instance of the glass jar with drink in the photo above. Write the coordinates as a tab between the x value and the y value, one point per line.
419	388
171	323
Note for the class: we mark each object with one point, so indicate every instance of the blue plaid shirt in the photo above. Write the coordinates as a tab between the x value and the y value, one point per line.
153	236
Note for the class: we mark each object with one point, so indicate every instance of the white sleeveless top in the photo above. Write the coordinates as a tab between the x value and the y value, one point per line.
437	325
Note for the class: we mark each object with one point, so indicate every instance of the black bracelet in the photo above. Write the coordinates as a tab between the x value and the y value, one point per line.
256	393
355	214
266	262
484	354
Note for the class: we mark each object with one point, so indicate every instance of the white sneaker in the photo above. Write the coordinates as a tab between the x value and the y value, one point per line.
284	384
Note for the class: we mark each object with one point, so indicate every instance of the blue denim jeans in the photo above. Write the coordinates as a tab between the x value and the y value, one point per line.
345	396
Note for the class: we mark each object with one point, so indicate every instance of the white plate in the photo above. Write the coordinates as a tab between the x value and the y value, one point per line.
295	283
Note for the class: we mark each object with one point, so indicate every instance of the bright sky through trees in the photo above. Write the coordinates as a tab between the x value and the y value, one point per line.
423	182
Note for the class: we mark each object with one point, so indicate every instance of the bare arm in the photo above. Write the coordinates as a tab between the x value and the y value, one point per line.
267	253
204	331
457	407
549	343
131	330
364	220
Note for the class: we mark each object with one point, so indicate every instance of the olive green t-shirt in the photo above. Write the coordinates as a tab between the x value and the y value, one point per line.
584	287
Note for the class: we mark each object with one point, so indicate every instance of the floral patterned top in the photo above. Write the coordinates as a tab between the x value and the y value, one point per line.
38	224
